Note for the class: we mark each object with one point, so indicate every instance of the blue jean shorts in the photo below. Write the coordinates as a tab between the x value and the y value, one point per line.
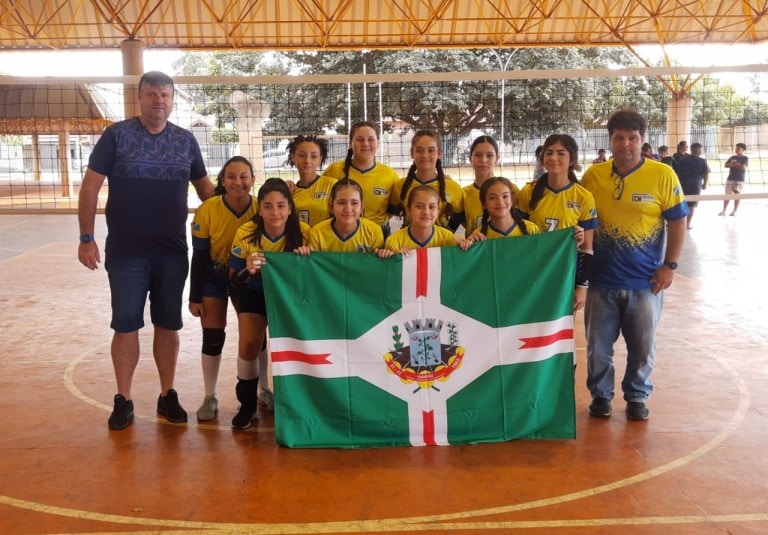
131	279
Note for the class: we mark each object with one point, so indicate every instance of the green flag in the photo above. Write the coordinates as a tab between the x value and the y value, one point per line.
442	347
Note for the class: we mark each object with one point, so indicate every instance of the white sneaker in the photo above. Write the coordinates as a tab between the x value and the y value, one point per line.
267	398
208	409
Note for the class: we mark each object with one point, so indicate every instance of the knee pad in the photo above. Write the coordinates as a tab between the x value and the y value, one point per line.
213	341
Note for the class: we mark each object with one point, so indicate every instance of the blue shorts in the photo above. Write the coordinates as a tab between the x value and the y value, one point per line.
216	284
131	279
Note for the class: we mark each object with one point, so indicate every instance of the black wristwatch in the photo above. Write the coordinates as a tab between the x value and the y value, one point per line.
671	265
86	238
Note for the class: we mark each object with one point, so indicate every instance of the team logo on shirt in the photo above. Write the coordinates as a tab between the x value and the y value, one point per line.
642	198
381	192
425	360
320	194
573	205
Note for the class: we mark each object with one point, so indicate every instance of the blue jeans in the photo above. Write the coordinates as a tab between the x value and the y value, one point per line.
634	314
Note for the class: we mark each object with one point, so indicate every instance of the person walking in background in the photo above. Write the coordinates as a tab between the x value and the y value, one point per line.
636	199
150	163
693	172
665	158
600	156
737	172
682	150
647	152
213	229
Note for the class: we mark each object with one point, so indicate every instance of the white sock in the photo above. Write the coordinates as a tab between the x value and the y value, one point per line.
211	365
247	369
264	367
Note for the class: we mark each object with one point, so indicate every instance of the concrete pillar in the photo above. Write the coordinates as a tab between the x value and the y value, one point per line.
37	157
250	114
679	112
133	63
64	164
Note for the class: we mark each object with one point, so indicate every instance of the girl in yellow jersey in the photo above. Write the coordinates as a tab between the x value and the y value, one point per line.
556	201
427	170
376	179
275	228
312	191
500	217
346	231
422	232
213	228
484	156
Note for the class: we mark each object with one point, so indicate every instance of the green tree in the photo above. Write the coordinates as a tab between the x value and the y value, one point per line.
532	107
719	104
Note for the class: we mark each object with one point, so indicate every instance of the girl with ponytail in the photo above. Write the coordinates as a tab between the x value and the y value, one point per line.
427	170
312	191
557	201
275	228
360	165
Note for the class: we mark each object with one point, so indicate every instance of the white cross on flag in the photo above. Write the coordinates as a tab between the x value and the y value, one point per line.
442	347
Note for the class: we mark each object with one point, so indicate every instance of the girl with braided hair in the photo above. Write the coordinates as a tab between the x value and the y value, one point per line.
500	217
427	170
375	178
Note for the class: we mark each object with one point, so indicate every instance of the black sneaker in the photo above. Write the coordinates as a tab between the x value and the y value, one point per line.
600	407
122	414
245	415
636	410
169	407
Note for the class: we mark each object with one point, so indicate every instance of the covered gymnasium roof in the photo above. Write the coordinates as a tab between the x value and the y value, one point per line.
376	24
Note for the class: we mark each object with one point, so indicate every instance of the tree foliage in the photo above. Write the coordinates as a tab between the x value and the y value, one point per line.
531	108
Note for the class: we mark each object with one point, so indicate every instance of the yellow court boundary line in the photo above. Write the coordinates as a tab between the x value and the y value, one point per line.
442	522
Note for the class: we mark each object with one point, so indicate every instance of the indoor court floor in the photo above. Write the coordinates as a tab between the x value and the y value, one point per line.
698	466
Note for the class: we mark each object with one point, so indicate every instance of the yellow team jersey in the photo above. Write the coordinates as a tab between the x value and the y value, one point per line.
454	196
377	183
629	241
242	245
215	224
473	209
441	237
312	201
564	208
367	238
511	232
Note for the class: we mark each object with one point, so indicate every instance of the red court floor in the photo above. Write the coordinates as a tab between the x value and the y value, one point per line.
698	466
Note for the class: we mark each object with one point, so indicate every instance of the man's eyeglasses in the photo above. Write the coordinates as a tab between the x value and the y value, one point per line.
618	186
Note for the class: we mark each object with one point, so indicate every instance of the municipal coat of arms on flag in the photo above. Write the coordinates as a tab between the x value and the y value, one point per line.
441	347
